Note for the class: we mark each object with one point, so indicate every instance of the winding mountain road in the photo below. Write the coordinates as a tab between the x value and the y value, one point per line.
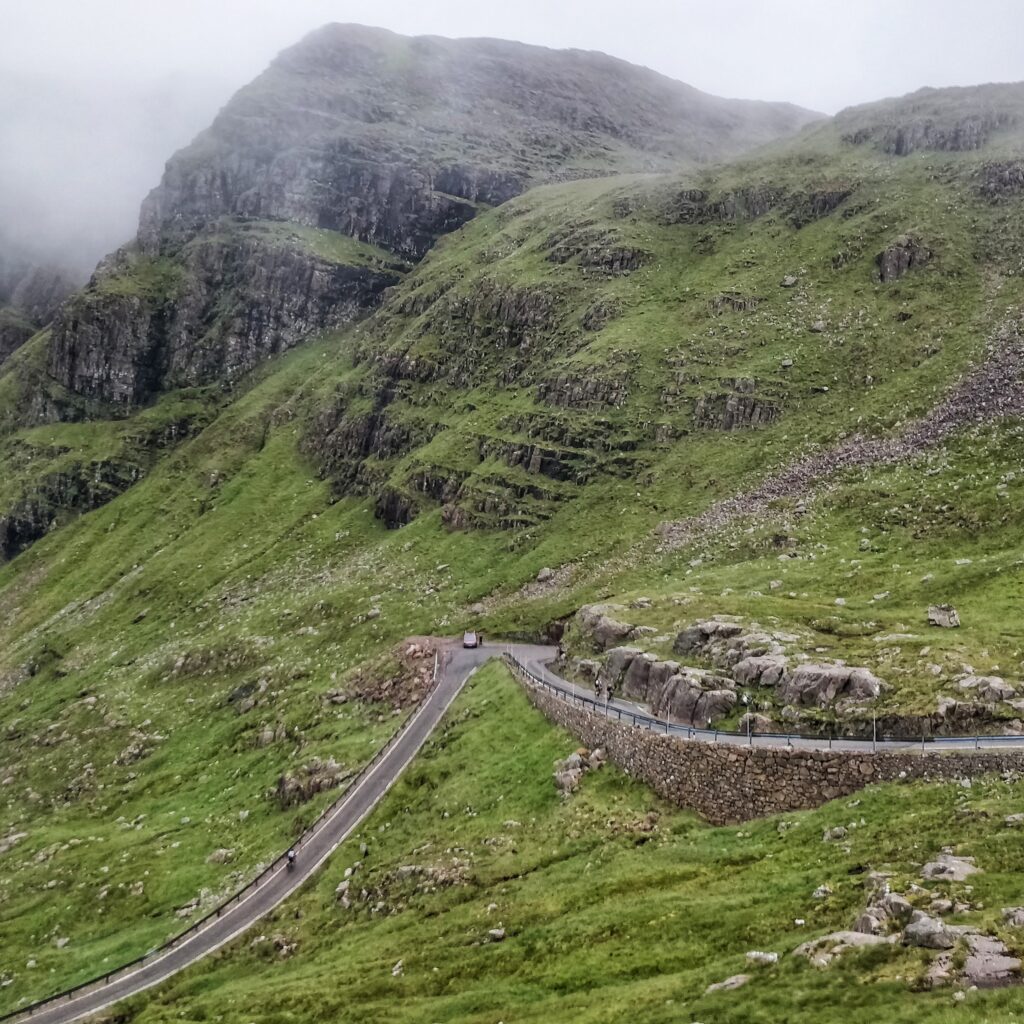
455	667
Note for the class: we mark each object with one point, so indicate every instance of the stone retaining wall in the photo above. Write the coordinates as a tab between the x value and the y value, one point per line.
726	783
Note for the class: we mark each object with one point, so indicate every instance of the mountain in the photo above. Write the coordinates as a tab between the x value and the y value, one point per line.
30	295
360	134
762	412
316	190
395	141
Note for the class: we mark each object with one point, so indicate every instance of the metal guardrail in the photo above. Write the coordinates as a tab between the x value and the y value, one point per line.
664	726
279	863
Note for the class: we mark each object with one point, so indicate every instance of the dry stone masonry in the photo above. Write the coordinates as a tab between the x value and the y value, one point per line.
728	783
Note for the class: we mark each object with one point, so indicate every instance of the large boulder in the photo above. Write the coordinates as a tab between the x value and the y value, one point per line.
636	682
696	697
928	932
991	689
903	255
885	911
822	951
988	963
943	615
820	685
598	622
615	666
761	670
948	867
696	638
727	644
896	907
660	682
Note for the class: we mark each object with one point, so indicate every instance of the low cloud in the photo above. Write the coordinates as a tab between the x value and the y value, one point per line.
95	96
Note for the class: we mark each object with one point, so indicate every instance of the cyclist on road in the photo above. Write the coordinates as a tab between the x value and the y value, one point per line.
291	858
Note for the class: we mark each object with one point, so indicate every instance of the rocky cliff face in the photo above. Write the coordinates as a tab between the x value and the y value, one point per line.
56	493
390	141
223	305
937	120
395	141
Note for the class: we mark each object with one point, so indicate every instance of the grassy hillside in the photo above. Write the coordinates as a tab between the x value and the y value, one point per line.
553	382
612	904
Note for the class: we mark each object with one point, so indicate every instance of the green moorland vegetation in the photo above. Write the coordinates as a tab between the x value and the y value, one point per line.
613	905
147	645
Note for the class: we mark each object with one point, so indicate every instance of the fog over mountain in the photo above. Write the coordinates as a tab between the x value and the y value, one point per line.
85	129
569	345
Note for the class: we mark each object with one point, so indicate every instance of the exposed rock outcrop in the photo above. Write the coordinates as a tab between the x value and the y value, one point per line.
823	950
905	254
990	689
928	932
764	670
699	206
925	120
949	867
77	489
601	624
364	154
691	696
297	787
599	314
1001	180
144	325
943	615
756	658
594	390
822	685
739	408
596	251
80	486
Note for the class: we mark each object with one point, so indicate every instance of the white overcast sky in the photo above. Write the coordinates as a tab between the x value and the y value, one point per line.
96	94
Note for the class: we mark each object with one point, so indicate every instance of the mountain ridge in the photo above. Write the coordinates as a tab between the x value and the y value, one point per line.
210	573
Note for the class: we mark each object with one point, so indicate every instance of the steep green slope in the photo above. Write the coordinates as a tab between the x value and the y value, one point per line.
554	381
610	904
171	656
360	134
